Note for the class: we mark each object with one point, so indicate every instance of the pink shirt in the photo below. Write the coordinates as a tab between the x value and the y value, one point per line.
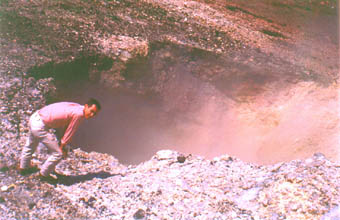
63	115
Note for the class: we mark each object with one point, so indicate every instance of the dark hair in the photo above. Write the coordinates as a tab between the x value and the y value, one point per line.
93	101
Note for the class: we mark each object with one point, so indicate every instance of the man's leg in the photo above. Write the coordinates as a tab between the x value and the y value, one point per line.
35	125
28	150
49	165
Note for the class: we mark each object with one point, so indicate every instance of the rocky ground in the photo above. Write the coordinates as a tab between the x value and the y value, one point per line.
45	44
175	186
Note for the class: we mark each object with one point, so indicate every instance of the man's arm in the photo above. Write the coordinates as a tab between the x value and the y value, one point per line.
69	132
63	150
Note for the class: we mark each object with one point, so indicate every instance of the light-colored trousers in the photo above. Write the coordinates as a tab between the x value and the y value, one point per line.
39	132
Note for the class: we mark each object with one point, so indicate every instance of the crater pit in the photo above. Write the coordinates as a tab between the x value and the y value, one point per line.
258	108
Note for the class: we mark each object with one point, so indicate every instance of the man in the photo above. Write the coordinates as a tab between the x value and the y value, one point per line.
65	116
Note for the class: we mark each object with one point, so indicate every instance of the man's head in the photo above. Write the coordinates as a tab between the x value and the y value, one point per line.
91	108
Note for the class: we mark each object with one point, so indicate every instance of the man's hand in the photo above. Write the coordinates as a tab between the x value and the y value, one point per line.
63	150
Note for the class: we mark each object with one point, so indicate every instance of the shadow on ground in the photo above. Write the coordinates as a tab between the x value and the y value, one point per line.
69	180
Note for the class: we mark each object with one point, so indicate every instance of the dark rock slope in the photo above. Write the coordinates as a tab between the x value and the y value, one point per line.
171	185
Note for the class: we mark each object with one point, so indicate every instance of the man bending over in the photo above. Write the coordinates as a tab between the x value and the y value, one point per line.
64	116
